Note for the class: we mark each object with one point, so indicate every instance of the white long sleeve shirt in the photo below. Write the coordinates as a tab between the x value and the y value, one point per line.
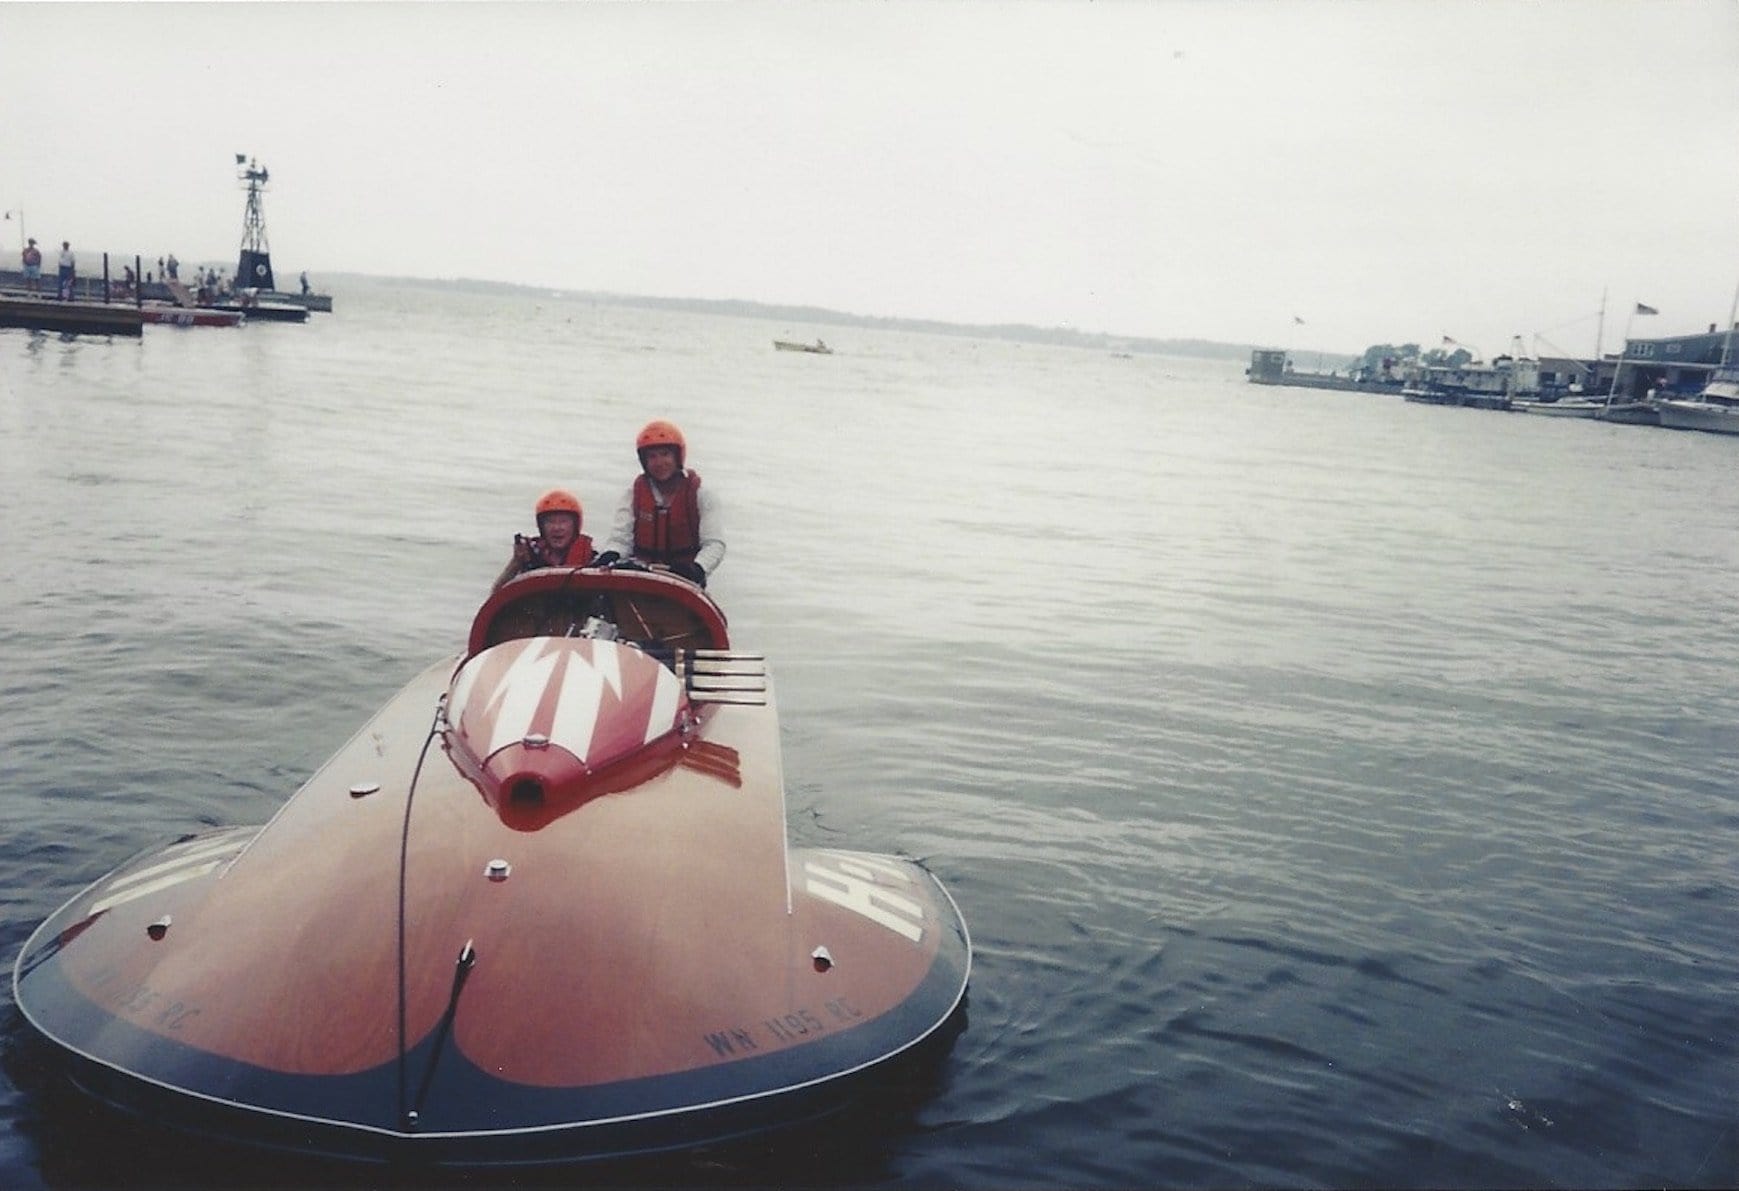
712	539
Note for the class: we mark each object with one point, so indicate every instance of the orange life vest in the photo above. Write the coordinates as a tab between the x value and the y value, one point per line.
668	533
578	555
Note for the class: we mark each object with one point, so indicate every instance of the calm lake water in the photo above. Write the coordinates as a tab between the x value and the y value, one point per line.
1340	792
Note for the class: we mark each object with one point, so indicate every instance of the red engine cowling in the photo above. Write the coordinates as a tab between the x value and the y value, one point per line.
534	719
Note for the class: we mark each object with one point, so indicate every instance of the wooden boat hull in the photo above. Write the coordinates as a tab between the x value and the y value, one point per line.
1631	413
321	303
422	957
1698	415
1566	408
163	314
268	312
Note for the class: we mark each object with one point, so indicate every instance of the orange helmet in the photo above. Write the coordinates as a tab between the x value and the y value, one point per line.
659	433
560	500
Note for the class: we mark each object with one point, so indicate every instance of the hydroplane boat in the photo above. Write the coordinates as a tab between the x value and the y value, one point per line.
540	908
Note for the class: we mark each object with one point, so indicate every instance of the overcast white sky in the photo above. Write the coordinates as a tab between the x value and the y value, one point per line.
1385	171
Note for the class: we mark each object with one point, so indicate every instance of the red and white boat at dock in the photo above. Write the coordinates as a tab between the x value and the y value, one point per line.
169	314
542	907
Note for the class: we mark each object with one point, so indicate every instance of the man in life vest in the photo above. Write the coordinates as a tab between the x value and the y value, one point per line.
667	520
559	542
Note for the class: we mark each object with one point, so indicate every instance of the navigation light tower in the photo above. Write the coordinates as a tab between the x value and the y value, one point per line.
254	268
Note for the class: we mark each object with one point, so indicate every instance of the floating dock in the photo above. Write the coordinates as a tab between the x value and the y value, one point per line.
75	317
1328	380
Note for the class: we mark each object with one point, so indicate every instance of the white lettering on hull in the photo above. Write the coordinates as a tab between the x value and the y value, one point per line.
856	883
198	868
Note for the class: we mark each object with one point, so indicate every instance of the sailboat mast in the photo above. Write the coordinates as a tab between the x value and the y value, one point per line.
1623	348
1727	340
1599	334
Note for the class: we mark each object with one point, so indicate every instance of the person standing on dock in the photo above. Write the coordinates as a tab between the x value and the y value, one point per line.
68	270
32	267
667	519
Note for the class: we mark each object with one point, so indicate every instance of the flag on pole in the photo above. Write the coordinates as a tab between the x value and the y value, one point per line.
1641	309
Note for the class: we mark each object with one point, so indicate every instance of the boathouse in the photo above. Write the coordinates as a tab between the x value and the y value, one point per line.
1267	365
1674	365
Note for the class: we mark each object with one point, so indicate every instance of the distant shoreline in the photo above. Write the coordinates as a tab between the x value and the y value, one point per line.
1022	332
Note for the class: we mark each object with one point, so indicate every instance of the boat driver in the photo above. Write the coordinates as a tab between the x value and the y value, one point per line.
666	520
559	542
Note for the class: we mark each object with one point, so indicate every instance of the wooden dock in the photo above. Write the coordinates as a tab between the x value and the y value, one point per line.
75	317
1327	380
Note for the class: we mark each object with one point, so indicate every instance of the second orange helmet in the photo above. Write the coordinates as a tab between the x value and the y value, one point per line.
659	433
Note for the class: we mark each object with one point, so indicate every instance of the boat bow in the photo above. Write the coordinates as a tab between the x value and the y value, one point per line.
541	907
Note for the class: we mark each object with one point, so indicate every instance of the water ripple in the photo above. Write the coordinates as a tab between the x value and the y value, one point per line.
1339	791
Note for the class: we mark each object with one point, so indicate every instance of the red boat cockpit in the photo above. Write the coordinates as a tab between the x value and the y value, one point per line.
649	609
